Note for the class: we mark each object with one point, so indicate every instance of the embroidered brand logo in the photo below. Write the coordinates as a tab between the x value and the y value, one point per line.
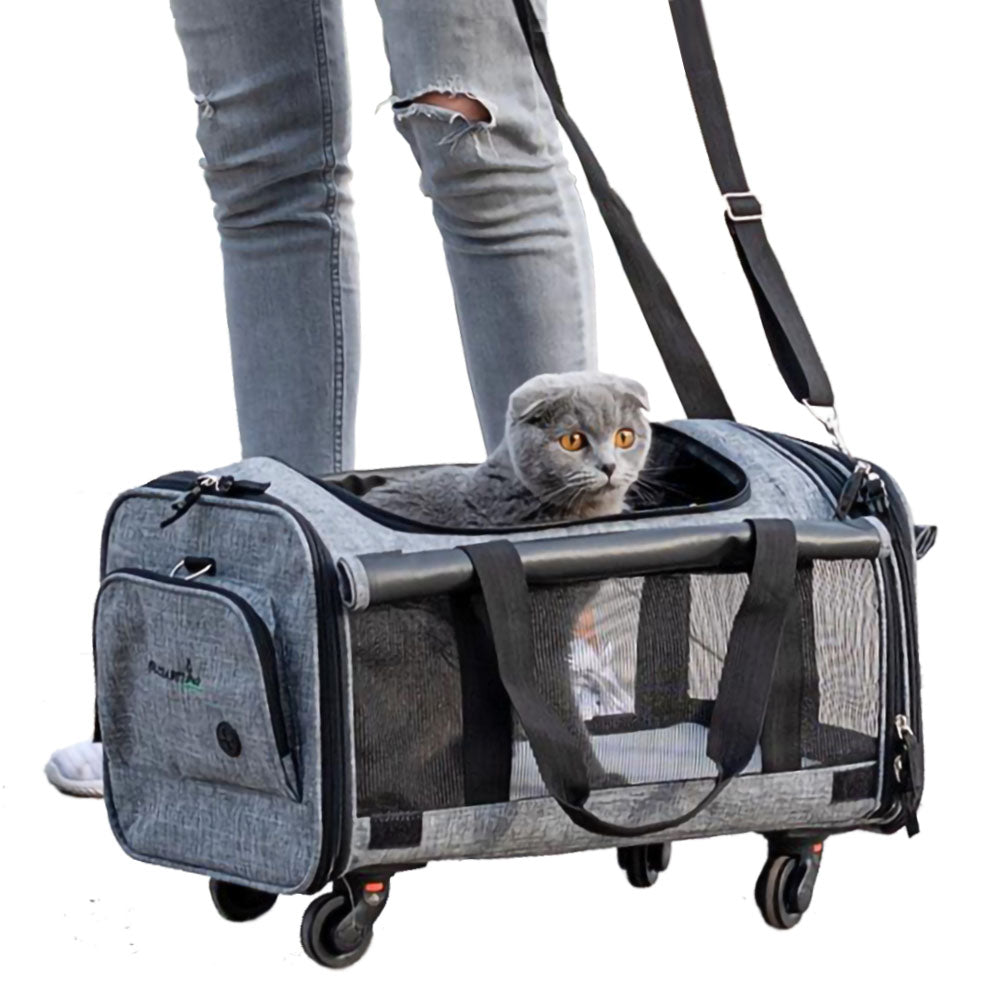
184	677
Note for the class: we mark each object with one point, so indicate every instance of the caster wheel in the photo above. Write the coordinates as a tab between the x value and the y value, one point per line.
643	863
238	902
771	893
337	927
785	886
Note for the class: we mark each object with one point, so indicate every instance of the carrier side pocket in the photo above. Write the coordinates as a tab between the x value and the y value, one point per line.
188	684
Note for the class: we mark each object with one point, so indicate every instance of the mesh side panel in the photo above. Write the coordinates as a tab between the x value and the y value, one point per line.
631	665
846	614
585	639
407	708
661	687
714	603
607	633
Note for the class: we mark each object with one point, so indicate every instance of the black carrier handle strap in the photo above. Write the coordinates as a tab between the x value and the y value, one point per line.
744	687
786	331
695	382
787	334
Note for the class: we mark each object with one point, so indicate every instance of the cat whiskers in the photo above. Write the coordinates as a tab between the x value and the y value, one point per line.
652	490
571	503
567	494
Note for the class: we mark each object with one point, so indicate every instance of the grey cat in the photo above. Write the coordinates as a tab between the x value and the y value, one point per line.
574	444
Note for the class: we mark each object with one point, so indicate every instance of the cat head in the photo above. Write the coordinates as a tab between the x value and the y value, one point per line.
578	440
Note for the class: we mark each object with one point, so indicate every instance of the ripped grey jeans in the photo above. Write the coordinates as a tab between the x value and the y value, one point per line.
270	78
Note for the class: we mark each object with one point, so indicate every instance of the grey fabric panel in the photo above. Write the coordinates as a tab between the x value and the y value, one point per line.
759	802
847	632
174	664
715	599
264	548
212	829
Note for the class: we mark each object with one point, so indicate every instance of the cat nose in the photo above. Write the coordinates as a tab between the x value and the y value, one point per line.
608	468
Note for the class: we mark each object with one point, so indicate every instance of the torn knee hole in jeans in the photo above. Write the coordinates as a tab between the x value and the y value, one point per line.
471	115
206	109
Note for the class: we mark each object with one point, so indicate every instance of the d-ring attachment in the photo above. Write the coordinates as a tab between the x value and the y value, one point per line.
831	423
209	567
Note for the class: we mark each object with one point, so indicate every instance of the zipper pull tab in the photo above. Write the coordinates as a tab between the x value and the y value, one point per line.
221	485
875	496
863	488
241	487
852	489
908	768
186	502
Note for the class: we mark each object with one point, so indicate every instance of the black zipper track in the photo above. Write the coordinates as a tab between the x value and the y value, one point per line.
261	635
834	469
332	698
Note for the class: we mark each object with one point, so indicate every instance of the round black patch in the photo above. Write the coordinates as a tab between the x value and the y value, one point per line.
228	739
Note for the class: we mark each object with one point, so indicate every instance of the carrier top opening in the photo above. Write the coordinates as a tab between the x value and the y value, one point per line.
681	475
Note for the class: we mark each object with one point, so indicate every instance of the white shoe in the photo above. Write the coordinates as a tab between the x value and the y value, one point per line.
78	770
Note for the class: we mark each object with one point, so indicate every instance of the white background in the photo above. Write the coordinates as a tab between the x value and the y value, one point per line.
868	131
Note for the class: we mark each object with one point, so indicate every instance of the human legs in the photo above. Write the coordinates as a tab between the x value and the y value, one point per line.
467	99
270	79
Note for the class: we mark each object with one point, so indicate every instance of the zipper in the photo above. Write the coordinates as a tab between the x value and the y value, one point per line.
218	485
335	844
851	494
863	488
908	768
259	632
894	700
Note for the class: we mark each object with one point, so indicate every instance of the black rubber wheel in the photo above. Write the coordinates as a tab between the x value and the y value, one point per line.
329	935
773	892
659	855
643	863
238	902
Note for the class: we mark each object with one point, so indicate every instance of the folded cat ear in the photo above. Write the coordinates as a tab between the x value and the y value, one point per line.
525	411
531	400
635	391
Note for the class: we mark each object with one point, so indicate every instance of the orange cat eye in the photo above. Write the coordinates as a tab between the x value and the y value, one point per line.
573	441
624	438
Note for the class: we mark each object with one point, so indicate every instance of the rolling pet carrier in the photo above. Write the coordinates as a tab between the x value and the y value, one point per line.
297	688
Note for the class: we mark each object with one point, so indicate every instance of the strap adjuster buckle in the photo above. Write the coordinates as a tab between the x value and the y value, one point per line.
750	216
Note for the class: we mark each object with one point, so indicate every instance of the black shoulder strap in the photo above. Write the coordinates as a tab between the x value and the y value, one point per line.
786	331
689	370
744	688
787	335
